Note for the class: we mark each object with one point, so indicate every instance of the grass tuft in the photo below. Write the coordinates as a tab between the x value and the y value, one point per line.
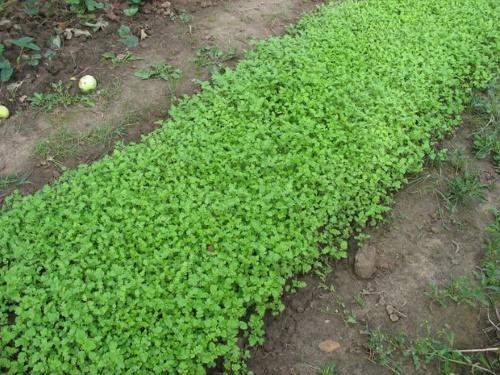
483	289
329	368
463	190
16	179
121	58
166	72
392	351
58	96
65	143
214	58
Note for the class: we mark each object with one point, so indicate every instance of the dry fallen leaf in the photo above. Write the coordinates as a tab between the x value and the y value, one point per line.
144	35
78	32
108	12
60	27
329	346
12	87
68	33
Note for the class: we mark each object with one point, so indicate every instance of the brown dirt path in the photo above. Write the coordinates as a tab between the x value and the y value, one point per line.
421	243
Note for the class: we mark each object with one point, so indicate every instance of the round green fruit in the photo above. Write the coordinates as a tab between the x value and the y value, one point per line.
4	112
87	83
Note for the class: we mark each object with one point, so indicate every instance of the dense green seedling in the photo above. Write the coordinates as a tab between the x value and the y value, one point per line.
157	258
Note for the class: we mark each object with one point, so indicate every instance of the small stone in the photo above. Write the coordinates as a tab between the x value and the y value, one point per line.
365	262
394	317
12	87
390	309
435	229
329	346
55	67
383	265
488	177
297	306
268	346
5	24
327	321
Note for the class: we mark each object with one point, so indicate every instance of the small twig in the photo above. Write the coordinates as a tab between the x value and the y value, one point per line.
73	58
99	113
478	350
489	319
488	329
311	366
490	121
473	365
83	71
430	306
369	292
394	371
457	247
400	313
272	25
418	180
57	164
480	269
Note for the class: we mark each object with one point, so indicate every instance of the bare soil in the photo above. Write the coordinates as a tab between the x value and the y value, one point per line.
420	243
79	53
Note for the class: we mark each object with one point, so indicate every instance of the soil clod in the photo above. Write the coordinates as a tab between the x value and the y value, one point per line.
329	346
365	263
394	317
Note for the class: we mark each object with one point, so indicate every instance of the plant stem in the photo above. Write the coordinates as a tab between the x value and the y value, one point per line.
478	350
